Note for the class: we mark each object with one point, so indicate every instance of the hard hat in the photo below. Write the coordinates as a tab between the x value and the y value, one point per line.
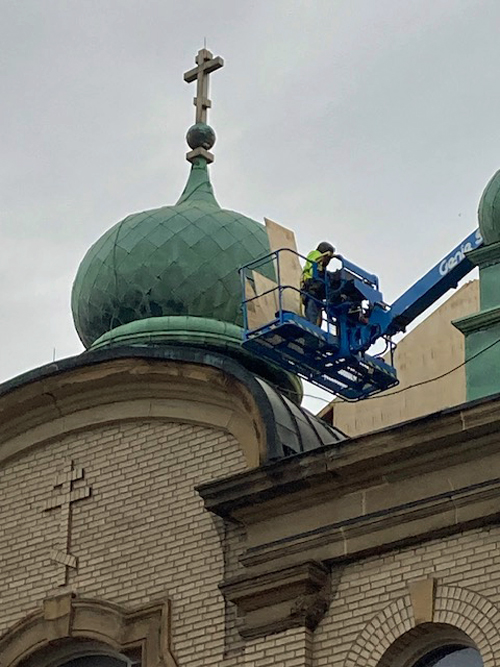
324	246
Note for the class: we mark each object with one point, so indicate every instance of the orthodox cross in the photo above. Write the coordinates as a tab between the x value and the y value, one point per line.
206	64
65	495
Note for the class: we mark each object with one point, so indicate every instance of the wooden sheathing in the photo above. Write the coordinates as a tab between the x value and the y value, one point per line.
289	265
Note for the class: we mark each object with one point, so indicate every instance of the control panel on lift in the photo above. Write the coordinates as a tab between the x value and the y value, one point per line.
335	354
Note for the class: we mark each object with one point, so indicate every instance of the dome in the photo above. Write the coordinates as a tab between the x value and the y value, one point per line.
489	211
167	278
180	260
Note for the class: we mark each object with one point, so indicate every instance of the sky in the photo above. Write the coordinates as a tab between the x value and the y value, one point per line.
371	124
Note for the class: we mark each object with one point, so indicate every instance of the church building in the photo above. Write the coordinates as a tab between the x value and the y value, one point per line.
166	501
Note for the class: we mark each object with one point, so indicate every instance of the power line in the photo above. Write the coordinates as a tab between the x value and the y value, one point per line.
438	377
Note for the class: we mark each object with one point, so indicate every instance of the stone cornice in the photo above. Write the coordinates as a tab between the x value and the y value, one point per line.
169	383
413	482
404	485
477	321
396	526
371	459
485	255
101	387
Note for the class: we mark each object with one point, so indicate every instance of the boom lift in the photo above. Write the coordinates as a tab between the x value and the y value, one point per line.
335	356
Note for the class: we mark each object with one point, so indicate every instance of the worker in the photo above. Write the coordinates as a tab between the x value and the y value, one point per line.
313	288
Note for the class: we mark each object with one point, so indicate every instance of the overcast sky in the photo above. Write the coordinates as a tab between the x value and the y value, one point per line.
370	123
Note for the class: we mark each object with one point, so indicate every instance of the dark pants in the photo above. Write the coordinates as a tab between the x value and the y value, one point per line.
338	293
314	294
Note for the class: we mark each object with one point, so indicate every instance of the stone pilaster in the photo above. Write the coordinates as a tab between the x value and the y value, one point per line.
482	330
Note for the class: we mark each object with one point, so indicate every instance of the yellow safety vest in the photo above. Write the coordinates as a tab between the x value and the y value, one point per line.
312	258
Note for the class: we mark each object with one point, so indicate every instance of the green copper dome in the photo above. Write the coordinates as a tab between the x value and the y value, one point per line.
489	211
169	277
176	260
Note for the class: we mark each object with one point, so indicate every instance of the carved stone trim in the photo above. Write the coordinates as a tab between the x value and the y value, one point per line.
422	599
432	477
103	387
293	597
64	616
460	434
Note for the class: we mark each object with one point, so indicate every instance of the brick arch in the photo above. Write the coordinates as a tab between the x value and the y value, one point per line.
382	631
471	614
474	614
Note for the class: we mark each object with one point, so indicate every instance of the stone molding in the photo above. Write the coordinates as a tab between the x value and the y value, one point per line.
65	616
476	321
356	463
486	255
276	601
434	476
400	525
129	389
455	609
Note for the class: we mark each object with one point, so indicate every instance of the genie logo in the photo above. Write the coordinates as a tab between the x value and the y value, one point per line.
458	255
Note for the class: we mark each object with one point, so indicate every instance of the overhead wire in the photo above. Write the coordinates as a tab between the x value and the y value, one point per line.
416	384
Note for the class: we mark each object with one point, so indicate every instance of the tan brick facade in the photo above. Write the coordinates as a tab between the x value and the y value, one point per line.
406	523
346	556
141	536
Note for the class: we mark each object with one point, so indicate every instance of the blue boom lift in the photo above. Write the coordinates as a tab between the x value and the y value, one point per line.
335	356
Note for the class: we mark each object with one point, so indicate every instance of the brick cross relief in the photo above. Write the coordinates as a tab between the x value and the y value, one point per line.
67	491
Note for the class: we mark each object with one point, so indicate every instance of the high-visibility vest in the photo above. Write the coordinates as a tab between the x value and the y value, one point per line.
312	258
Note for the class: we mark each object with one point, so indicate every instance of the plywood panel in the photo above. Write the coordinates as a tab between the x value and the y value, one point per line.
290	269
261	309
250	305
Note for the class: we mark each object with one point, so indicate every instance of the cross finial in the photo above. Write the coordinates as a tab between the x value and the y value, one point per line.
206	64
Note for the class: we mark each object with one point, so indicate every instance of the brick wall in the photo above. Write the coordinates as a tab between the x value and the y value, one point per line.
144	533
234	547
292	648
141	535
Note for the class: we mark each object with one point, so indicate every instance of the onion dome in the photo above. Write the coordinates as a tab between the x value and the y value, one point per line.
169	276
180	260
489	211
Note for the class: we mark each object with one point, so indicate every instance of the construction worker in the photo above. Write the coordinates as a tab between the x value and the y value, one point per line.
313	288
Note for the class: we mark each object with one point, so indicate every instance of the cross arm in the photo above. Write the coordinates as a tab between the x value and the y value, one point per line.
191	75
214	64
209	66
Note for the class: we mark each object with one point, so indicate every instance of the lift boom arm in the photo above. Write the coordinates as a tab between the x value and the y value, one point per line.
433	285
